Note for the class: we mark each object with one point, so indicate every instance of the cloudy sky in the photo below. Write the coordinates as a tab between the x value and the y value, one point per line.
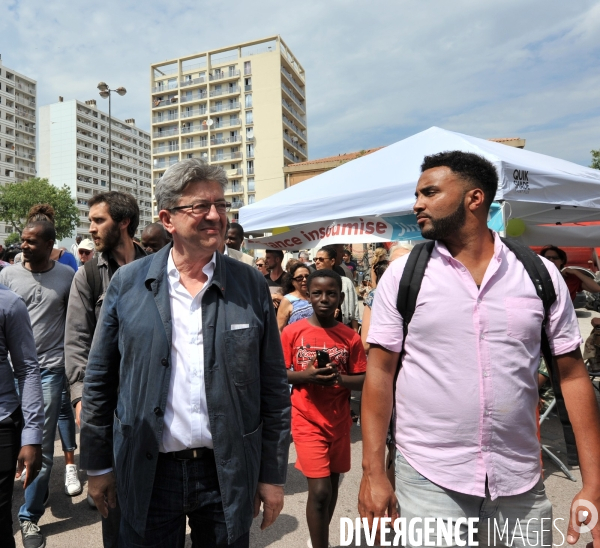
377	71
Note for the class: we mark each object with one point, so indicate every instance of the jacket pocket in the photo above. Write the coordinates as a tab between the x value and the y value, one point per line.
252	451
242	351
121	455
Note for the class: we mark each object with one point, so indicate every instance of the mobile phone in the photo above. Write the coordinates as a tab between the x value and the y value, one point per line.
322	358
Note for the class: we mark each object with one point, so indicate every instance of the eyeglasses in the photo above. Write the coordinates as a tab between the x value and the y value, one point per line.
260	265
300	278
202	208
84	251
321	259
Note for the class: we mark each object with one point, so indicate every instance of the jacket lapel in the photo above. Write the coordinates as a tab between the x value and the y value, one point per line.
157	282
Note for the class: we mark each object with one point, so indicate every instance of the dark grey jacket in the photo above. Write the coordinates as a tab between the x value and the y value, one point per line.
127	381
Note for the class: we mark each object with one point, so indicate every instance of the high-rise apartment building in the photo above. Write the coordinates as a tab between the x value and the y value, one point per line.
74	152
17	130
242	107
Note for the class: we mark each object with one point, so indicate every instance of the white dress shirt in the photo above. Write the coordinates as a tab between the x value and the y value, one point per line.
186	424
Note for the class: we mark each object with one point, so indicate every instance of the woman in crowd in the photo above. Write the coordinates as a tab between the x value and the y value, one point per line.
575	279
378	270
295	304
379	256
260	264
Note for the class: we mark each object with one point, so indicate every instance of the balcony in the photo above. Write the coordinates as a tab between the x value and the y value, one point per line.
236	204
224	75
165	148
194	127
250	171
235	172
20	154
224	140
25	142
164	86
291	80
293	97
198	96
196	144
291	157
158	118
293	111
295	144
225	157
226	107
227	123
234	189
165	162
194	112
158	103
195	81
24	114
26	102
165	133
248	88
293	126
225	91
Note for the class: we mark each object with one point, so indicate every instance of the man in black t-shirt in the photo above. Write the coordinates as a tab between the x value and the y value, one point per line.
273	260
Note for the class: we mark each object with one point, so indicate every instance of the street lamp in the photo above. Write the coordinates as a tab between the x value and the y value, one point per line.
105	92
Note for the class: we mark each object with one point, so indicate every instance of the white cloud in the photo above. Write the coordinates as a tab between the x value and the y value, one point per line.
376	71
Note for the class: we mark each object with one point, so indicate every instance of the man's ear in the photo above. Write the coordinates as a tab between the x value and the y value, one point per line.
165	218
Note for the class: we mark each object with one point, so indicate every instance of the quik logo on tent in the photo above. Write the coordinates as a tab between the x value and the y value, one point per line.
521	181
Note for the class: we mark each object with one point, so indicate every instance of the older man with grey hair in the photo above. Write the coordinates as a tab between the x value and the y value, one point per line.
186	384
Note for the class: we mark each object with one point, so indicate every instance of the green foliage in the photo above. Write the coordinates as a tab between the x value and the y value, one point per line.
12	238
16	199
595	159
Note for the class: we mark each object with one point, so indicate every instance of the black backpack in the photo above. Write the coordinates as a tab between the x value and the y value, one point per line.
408	291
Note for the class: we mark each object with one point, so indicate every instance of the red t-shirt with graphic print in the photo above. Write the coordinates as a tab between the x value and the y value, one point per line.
325	406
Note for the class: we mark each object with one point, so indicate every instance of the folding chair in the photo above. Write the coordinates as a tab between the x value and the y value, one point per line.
547	451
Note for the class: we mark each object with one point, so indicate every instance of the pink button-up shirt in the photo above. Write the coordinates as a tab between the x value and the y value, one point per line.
467	392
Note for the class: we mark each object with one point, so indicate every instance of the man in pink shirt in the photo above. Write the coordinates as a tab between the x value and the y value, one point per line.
466	395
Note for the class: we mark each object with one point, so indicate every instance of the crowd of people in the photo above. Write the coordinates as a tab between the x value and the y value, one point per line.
190	366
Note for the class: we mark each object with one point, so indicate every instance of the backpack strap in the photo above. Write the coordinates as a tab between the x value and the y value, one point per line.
408	291
92	275
544	288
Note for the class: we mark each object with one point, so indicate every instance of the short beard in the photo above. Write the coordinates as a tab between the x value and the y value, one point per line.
446	226
110	240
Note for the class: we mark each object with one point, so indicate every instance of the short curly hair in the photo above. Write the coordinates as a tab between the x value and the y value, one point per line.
472	168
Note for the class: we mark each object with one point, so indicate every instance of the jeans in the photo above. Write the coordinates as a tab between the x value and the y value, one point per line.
183	488
10	445
53	382
66	421
500	520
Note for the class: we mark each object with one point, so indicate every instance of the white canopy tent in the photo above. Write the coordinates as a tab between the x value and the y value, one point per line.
536	188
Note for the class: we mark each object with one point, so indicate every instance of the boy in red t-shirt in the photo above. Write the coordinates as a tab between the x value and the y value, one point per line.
320	397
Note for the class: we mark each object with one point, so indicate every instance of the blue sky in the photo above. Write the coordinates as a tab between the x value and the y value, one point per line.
377	71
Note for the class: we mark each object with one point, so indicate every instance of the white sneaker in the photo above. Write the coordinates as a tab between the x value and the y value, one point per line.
72	484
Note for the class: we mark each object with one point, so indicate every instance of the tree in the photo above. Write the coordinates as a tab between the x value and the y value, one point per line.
595	159
16	199
12	238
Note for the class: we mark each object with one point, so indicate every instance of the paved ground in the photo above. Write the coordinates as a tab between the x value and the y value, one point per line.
69	522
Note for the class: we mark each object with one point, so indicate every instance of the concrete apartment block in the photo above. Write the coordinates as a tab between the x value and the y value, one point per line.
241	106
17	130
74	152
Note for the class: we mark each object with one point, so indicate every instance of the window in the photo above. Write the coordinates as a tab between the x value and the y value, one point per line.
250	151
250	184
251	199
249	117
247	67
249	133
250	167
248	100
